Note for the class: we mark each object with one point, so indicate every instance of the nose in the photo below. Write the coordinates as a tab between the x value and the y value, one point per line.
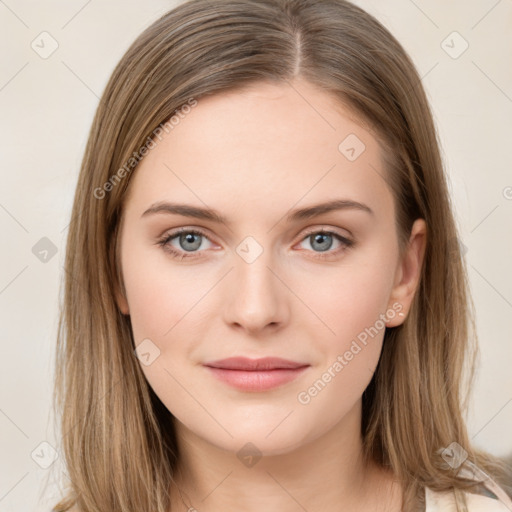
257	298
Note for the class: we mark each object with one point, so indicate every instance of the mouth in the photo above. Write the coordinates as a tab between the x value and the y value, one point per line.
256	374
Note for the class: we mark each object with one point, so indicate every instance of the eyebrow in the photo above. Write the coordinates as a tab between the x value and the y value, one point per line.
294	216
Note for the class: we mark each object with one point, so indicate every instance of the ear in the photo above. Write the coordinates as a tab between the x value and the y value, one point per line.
408	273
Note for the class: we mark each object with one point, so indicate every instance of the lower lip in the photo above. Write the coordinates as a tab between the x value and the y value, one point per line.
257	380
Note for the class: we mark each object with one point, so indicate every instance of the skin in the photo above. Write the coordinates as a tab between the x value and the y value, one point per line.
253	156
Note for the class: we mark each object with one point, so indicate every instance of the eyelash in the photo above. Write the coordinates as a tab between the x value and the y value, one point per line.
164	243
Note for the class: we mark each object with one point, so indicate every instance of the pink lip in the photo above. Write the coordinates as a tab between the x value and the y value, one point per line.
256	374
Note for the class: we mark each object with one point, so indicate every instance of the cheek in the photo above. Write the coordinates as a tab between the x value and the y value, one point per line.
159	297
353	305
164	304
351	298
350	348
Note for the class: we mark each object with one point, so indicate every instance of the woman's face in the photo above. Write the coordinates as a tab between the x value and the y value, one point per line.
264	282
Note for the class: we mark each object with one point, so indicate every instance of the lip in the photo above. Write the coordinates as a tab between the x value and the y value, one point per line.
247	364
256	374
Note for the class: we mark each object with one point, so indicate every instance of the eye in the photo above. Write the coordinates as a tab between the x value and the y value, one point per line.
187	241
322	241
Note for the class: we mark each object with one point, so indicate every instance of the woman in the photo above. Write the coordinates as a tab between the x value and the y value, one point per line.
266	304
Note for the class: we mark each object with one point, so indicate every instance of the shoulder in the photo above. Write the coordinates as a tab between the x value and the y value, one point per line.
445	502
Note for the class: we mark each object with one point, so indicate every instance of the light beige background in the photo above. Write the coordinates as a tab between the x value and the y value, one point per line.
47	107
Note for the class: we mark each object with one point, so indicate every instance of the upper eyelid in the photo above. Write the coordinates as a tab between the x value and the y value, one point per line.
326	230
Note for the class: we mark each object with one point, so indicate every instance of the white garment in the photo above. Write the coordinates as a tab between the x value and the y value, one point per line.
445	502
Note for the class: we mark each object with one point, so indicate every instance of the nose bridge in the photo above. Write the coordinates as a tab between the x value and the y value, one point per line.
257	296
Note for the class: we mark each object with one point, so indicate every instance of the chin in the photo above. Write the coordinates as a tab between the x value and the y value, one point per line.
266	438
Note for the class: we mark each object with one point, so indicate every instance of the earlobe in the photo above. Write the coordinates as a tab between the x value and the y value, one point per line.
408	272
120	295
122	303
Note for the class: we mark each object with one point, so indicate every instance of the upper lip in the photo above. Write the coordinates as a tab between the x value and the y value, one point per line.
246	364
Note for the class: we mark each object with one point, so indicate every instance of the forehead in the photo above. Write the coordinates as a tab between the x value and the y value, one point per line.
267	146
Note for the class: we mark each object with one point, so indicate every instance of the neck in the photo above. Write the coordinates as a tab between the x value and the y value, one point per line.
328	473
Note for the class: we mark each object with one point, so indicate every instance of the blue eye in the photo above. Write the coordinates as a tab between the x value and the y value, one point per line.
322	242
190	241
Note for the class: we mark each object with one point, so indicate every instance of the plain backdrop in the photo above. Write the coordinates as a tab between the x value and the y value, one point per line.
463	52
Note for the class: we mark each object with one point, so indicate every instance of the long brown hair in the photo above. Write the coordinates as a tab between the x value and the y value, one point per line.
117	438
